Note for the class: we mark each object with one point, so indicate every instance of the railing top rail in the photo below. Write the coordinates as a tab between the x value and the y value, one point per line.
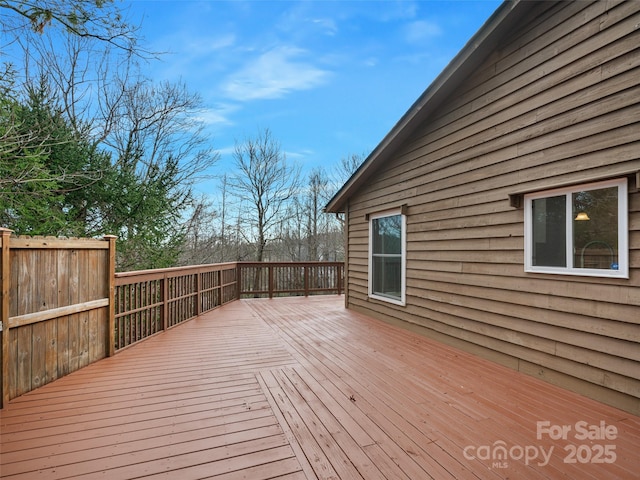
155	274
161	272
312	263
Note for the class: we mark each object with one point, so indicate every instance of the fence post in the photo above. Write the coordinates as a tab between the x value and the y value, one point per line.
5	271
270	274
238	281
111	280
305	270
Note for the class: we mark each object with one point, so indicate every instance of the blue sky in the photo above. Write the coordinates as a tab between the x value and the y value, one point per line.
328	78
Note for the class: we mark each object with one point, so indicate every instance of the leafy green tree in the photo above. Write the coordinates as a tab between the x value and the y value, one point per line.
45	171
140	212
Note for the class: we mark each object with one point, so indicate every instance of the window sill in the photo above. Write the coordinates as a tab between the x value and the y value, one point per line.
393	300
583	272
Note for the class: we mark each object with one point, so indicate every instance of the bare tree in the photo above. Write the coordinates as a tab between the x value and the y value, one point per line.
346	168
292	236
156	123
266	183
202	241
99	20
316	193
223	219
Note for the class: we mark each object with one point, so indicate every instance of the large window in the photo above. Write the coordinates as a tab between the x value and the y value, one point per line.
387	256
578	231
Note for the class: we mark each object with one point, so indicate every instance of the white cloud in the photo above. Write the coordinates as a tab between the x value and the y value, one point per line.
218	115
207	45
421	30
273	75
188	56
227	151
371	62
302	154
328	25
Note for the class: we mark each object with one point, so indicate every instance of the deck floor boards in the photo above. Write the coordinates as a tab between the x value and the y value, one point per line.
300	388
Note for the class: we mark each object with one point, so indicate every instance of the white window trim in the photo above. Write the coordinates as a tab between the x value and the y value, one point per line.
623	231
403	260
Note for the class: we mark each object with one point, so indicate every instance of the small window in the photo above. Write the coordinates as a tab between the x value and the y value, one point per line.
387	256
581	230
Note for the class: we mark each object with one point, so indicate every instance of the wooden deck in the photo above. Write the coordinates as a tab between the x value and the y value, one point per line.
300	388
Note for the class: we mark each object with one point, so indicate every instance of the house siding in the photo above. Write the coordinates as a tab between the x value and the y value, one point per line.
556	103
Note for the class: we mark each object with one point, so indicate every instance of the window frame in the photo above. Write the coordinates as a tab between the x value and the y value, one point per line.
570	269
403	257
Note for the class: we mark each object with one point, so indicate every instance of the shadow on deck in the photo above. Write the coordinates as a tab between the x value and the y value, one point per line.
300	388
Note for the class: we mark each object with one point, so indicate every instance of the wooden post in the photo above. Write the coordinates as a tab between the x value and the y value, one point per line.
111	279
5	272
270	272
305	270
238	280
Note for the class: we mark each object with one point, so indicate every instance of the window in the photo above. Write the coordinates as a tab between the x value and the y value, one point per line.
581	230
387	256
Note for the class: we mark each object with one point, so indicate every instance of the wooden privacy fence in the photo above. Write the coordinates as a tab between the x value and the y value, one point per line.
56	308
64	307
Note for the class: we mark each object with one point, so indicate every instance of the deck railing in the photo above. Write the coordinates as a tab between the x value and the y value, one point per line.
276	279
148	302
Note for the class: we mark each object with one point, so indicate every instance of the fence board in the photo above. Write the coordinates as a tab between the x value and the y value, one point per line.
37	354
83	318
23	368
51	351
83	340
12	365
62	325
96	287
33	351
